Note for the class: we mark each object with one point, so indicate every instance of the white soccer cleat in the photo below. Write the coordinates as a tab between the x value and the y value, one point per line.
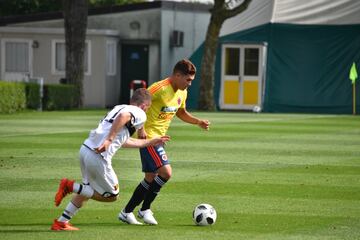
147	216
128	218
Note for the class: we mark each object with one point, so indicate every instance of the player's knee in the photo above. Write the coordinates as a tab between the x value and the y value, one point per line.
110	197
149	177
166	173
113	198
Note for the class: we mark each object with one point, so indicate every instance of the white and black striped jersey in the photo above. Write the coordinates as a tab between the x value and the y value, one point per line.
97	136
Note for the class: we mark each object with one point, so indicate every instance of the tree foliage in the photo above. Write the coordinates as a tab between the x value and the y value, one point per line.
221	11
21	7
102	3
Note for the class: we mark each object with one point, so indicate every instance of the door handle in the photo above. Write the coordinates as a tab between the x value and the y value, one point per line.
239	79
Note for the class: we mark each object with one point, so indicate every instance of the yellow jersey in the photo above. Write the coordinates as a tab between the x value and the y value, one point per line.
165	104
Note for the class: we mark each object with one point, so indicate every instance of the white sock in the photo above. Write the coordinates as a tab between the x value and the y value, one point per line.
68	213
83	190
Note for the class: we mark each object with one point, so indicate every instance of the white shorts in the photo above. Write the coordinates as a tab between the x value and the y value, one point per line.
98	173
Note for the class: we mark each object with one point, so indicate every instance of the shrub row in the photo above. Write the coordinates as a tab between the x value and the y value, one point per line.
59	97
18	96
12	97
32	93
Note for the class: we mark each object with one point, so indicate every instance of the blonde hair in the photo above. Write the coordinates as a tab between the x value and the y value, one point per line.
140	96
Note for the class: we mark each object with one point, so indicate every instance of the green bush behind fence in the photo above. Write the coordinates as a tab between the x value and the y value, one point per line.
18	96
32	95
59	97
12	97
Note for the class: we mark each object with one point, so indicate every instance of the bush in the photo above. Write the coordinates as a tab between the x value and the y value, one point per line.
59	96
12	97
17	96
32	91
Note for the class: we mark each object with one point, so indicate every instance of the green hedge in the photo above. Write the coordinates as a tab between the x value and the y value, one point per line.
32	95
59	96
18	96
12	97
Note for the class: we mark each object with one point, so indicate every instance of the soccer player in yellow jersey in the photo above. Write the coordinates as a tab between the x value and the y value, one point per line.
168	99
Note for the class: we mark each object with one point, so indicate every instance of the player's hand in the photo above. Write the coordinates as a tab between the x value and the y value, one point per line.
142	134
159	140
103	147
204	124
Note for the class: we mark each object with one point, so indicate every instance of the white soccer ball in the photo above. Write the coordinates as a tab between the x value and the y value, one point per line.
204	214
257	109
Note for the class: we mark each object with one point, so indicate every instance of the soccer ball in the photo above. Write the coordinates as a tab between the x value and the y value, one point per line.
204	214
257	109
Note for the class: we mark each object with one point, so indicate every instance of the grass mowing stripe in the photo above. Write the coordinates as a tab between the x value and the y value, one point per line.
247	226
235	189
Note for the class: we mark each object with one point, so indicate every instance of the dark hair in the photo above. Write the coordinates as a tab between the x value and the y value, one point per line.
185	67
140	95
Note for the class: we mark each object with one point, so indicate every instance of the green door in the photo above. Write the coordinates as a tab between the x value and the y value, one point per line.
134	66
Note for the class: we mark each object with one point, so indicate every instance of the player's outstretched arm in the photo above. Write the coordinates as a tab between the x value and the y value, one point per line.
140	143
187	117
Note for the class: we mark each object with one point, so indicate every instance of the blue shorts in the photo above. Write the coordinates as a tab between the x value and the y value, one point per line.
153	157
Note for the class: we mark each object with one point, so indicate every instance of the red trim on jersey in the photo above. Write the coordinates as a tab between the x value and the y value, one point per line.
155	88
154	156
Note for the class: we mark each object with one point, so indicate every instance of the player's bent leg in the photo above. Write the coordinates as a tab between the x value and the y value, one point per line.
164	174
67	186
152	159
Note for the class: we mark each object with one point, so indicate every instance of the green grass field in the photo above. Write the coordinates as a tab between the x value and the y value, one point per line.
269	176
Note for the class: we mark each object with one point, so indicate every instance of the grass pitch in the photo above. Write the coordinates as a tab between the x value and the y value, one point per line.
269	176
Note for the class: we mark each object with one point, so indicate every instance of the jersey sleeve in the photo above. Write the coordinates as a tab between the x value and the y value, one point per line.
138	117
154	91
154	87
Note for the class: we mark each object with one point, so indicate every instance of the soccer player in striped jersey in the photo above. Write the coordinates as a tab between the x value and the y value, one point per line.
168	99
99	181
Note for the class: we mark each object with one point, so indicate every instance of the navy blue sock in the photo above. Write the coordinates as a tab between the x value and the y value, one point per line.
154	189
138	196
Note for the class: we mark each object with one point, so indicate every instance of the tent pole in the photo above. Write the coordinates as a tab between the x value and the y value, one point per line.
354	99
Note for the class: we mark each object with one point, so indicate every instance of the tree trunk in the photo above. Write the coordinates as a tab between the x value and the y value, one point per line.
219	13
207	78
75	23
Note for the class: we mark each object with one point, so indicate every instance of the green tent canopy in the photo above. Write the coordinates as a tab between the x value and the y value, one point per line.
286	56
